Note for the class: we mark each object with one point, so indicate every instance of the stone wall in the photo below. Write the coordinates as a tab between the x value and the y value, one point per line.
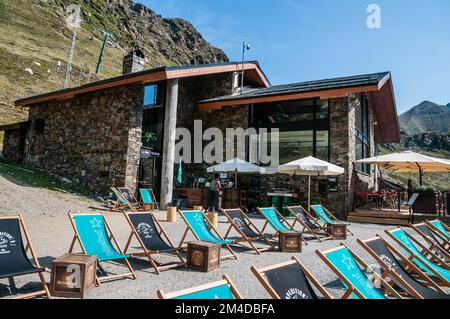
93	139
11	146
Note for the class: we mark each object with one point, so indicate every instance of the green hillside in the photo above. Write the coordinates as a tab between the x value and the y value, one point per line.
426	117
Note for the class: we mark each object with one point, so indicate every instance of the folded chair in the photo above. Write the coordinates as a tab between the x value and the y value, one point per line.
436	270
124	200
276	221
347	266
247	230
14	261
289	280
309	223
224	289
148	232
148	198
441	228
91	232
197	223
434	239
401	273
326	217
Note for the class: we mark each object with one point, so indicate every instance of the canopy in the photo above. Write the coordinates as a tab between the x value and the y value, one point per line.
236	166
311	166
405	162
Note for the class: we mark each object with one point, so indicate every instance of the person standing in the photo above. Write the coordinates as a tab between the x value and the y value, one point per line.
410	188
214	192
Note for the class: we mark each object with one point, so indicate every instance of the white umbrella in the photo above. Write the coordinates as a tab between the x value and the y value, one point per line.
236	166
405	162
310	166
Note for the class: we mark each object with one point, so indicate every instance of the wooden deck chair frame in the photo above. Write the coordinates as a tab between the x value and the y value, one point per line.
268	222
330	214
211	226
155	204
432	244
225	280
244	238
443	281
408	265
308	230
29	248
148	253
439	232
352	289
119	206
76	238
259	274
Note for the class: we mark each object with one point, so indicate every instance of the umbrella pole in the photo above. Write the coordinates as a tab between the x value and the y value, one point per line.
309	193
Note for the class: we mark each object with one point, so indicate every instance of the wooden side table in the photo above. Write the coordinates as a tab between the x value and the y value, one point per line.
290	241
203	256
337	230
73	276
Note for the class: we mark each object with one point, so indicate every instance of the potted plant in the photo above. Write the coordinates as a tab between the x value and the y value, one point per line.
426	202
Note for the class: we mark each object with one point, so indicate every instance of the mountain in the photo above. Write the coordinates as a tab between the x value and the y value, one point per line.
426	117
34	37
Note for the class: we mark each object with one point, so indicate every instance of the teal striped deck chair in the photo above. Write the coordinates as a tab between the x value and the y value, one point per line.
125	200
148	198
359	280
197	223
441	228
224	289
93	233
428	262
325	216
275	220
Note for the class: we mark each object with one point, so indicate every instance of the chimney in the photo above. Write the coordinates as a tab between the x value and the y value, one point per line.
133	61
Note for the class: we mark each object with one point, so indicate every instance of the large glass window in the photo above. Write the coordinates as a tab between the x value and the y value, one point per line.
153	117
153	95
362	147
303	125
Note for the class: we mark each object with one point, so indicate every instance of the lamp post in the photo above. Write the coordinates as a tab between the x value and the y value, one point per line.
245	47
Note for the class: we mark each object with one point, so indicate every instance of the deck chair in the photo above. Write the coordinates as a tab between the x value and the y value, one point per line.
91	232
326	217
275	220
438	270
289	280
436	242
197	223
440	227
124	200
247	230
347	266
148	232
401	273
309	223
14	261
148	198
224	289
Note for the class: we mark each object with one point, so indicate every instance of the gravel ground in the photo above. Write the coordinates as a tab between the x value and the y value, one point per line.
45	213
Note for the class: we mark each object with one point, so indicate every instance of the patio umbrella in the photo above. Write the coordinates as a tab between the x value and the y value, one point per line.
236	166
310	166
405	162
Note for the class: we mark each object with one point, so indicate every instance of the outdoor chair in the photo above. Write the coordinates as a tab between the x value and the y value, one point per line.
441	228
124	200
224	289
94	235
149	234
326	217
309	223
197	223
436	242
276	221
248	232
149	198
405	274
289	280
14	261
347	266
434	268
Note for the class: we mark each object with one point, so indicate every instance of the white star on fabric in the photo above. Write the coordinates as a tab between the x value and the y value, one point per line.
199	218
346	260
96	223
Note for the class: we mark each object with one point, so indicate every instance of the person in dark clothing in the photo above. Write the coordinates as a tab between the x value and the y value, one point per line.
410	188
214	193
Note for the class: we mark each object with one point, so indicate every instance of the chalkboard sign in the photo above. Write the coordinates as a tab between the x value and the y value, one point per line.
412	200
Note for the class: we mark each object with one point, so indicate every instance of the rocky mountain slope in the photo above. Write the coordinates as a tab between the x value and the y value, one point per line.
34	37
426	117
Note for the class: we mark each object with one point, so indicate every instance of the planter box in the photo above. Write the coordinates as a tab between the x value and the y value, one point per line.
425	204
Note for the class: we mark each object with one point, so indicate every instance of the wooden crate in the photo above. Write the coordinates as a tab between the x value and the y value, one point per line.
203	256
337	230
73	276
290	242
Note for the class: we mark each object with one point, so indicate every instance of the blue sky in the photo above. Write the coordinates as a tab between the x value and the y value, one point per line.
300	40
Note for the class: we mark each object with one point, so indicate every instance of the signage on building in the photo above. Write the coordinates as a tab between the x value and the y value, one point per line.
146	153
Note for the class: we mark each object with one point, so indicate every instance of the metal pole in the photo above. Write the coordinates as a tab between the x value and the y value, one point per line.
309	193
102	52
70	60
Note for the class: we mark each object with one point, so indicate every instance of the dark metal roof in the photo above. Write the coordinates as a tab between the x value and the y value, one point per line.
310	86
